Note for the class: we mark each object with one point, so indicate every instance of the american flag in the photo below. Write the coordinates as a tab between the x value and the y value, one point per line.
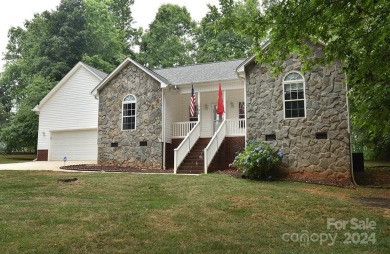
192	102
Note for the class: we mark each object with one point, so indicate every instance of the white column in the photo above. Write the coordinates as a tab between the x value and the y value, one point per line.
224	104
199	106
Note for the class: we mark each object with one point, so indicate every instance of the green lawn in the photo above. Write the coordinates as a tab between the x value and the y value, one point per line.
129	213
14	158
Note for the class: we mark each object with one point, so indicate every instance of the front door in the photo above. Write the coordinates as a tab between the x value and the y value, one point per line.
217	119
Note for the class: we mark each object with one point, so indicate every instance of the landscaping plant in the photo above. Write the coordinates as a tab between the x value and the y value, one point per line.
257	160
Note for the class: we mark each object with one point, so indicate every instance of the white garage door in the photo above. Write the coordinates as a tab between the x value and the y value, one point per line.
75	145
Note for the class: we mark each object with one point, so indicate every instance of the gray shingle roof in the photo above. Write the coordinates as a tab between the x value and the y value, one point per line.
201	72
100	73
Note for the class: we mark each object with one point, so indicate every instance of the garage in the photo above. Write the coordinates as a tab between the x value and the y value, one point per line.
79	145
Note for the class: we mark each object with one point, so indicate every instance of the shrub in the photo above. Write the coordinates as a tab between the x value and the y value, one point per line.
257	160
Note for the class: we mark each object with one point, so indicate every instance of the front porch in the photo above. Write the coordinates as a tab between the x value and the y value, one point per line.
195	154
195	141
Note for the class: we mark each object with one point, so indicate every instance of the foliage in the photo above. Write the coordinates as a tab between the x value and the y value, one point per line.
356	32
257	160
215	42
169	40
40	53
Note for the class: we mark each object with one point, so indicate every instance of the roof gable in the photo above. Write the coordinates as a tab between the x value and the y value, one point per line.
95	72
163	81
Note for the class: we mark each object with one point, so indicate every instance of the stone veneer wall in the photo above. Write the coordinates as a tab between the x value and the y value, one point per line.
131	80
326	111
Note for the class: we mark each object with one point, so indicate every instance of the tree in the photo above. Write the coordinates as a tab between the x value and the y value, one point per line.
355	32
216	43
168	42
42	52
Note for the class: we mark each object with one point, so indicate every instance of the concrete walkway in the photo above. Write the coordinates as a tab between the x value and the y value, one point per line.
42	165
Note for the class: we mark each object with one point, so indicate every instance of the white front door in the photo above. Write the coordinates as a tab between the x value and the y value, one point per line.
217	119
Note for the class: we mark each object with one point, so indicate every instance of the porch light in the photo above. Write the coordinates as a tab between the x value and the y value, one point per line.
206	107
232	104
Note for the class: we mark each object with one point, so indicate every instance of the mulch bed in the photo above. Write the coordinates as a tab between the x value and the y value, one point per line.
95	167
369	178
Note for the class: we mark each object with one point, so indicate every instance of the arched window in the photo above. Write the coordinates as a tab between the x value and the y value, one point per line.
294	95
129	111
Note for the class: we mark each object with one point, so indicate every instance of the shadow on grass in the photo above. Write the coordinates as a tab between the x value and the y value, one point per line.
15	158
376	174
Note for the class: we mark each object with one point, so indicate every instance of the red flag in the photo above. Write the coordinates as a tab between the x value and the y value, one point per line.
192	102
220	107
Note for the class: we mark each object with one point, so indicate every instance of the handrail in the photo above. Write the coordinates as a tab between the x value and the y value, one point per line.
181	129
235	127
213	146
185	146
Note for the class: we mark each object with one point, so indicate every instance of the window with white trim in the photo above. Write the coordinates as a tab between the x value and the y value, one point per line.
294	95
129	111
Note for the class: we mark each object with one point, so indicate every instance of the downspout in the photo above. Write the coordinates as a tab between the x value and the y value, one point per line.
350	134
246	119
163	128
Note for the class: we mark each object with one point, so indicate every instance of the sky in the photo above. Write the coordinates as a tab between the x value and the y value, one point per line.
15	12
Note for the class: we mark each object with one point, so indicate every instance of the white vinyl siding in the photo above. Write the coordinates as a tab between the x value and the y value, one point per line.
71	107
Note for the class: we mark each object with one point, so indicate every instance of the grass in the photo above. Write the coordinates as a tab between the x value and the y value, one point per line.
129	213
368	163
14	158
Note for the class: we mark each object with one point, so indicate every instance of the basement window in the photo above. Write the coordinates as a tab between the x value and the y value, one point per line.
143	143
321	135
114	145
270	137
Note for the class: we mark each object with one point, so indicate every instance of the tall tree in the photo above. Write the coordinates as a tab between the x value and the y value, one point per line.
216	43
355	32
40	53
169	40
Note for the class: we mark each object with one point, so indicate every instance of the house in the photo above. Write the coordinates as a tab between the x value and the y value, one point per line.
144	118
68	117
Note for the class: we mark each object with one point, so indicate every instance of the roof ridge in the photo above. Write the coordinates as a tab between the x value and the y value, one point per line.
198	64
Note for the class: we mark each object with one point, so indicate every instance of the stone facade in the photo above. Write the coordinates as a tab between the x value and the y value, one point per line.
128	148
306	156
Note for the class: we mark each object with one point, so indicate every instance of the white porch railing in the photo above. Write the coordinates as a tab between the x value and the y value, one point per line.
213	146
186	145
235	127
181	129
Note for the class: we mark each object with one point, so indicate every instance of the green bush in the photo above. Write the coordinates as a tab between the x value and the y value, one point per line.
257	160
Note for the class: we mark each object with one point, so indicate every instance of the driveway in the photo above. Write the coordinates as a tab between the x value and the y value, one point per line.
42	165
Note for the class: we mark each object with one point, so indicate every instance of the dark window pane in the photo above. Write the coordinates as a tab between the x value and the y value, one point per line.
294	113
301	113
288	105
301	104
294	95
300	94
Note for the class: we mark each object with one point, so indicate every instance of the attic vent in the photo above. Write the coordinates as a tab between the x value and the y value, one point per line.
321	135
114	144
143	143
270	137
